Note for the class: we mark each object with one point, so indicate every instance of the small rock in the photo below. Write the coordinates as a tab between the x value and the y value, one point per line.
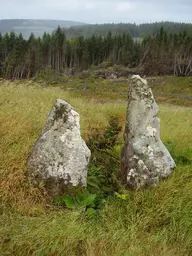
113	76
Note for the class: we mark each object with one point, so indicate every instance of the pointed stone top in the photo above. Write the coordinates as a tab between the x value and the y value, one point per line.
62	102
137	77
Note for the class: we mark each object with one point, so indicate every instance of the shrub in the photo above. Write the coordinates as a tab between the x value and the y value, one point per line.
84	74
50	76
105	160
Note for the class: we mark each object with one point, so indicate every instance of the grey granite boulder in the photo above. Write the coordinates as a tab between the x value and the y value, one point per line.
60	156
145	160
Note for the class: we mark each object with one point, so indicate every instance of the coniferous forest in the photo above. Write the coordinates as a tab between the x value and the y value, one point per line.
162	54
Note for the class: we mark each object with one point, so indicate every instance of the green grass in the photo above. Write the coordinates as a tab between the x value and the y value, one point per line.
156	221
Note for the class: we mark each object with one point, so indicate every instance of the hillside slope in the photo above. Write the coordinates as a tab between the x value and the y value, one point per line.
77	29
37	27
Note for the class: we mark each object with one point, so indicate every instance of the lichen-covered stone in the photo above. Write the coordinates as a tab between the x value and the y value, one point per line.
145	160
60	156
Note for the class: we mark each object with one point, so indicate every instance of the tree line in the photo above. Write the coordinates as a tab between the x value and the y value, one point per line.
167	54
162	54
135	30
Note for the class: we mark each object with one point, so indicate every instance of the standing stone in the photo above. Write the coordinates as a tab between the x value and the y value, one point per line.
145	160
60	156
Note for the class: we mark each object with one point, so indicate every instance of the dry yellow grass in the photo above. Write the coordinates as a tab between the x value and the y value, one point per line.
153	222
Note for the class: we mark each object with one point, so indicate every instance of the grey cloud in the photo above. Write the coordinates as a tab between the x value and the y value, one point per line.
99	11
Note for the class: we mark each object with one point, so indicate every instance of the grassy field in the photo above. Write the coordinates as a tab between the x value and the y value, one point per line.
156	221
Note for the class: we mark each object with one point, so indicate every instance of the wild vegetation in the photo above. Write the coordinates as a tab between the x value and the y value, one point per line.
114	221
79	66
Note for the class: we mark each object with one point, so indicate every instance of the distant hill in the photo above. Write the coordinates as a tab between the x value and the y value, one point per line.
76	29
37	27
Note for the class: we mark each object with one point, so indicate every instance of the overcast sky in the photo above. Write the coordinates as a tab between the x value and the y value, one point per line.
98	11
